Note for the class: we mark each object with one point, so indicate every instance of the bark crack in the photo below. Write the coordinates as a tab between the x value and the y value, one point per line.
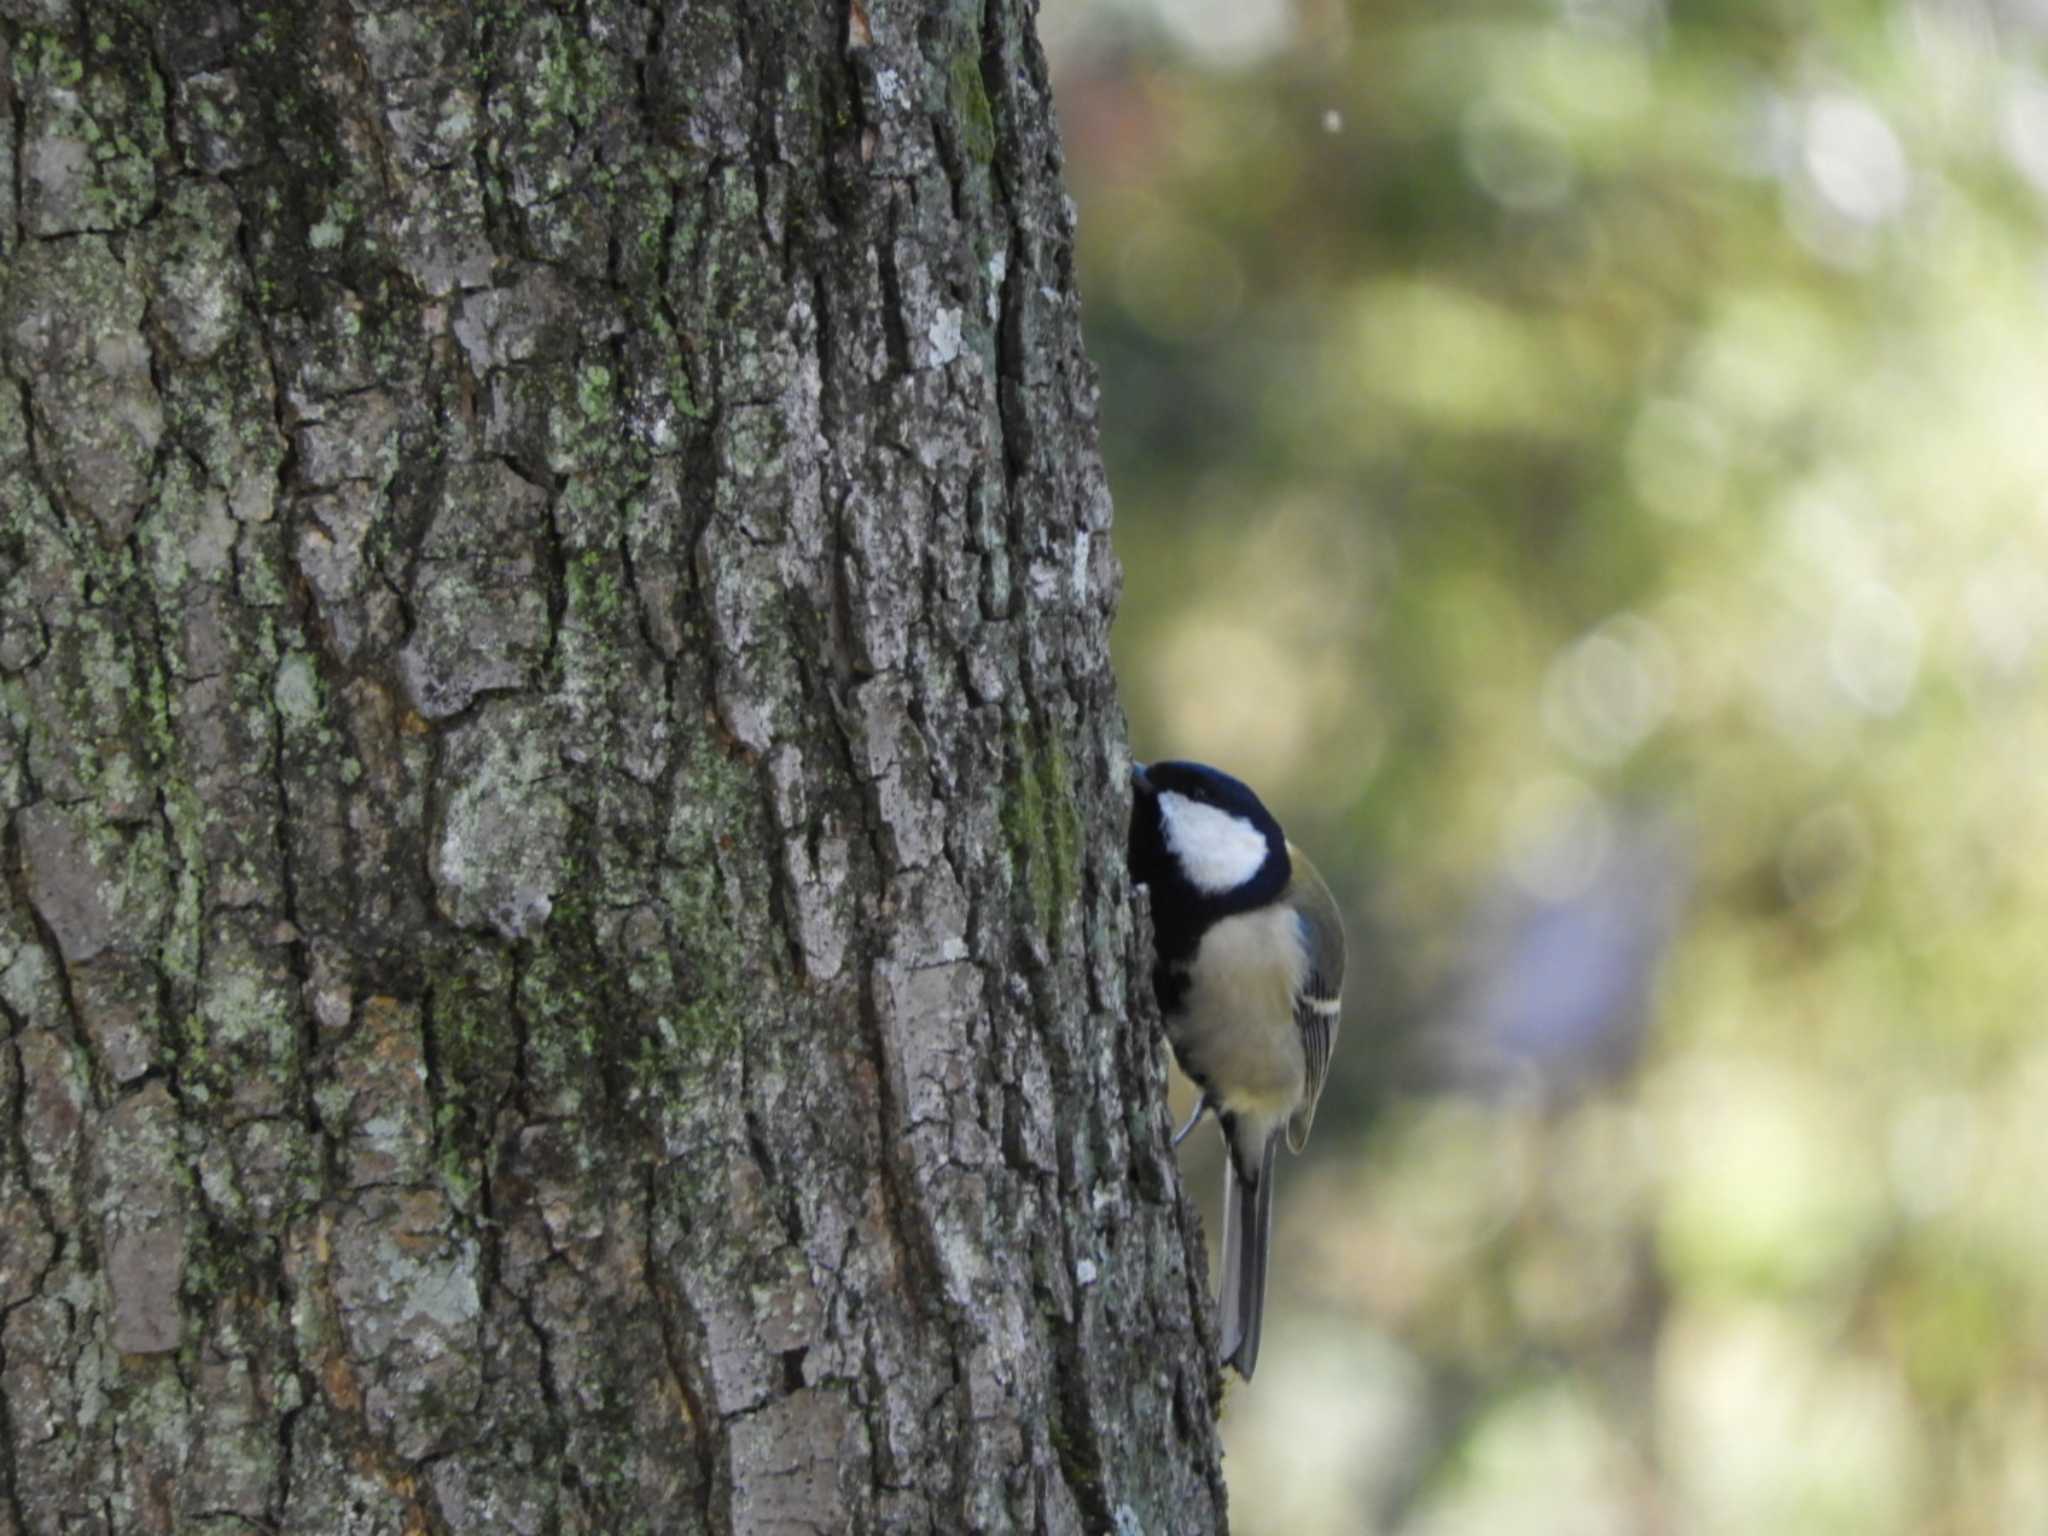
915	1237
17	1108
40	476
895	335
671	1312
10	36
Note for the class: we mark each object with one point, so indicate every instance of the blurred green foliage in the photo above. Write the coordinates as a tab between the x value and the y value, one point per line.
1587	463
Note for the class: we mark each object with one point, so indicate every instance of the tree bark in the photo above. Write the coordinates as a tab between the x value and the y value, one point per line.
565	958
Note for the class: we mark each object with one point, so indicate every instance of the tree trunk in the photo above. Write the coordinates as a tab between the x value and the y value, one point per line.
565	957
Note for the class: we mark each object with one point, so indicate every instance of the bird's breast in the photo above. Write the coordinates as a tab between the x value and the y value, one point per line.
1235	1031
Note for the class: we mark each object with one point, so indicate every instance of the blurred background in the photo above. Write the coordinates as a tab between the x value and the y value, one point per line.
1586	462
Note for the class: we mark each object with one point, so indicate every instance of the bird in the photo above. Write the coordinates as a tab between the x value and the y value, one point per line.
1248	967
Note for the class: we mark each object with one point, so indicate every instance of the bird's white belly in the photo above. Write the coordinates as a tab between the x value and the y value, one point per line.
1238	1029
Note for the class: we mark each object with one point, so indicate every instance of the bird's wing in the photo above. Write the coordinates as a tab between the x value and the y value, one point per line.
1319	1004
1316	1015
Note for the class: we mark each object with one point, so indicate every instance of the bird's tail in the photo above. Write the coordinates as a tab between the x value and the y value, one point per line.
1247	1235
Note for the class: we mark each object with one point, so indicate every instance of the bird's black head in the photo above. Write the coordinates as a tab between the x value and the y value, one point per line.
1204	843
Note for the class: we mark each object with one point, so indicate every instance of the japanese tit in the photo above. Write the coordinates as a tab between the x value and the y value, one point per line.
1248	969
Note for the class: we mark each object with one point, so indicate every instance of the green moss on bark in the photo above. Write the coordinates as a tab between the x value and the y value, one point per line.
1042	824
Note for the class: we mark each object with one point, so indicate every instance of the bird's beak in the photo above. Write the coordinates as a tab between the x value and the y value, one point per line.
1140	781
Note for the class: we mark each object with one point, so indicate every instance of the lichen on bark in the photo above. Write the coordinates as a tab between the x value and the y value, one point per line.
565	963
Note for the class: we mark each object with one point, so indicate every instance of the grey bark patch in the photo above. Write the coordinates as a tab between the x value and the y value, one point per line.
352	439
66	885
143	1228
144	1271
481	614
246	1042
477	1494
198	280
74	318
27	1252
235	1463
115	999
355	608
511	324
53	1098
56	174
476	632
23	641
442	240
213	118
787	1460
91	137
428	128
377	1102
498	847
407	1290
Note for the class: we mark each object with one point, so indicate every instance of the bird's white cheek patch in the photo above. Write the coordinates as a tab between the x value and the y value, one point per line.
1217	851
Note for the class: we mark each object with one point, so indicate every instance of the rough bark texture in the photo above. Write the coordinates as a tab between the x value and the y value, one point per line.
563	793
